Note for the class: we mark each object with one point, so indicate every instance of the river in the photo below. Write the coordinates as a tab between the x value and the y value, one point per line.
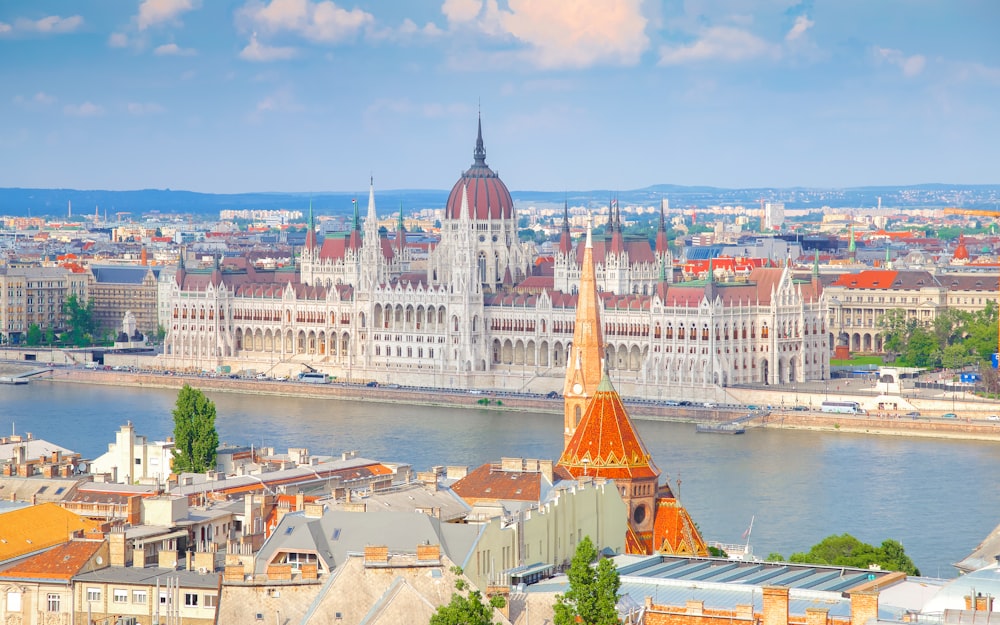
936	496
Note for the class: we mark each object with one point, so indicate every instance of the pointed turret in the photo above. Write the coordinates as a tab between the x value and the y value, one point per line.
852	247
311	232
617	236
354	237
479	155
584	367
179	275
400	231
565	239
662	245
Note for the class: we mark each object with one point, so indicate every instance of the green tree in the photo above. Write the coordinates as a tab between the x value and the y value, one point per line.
846	550
774	556
50	336
33	336
80	318
466	609
195	438
592	595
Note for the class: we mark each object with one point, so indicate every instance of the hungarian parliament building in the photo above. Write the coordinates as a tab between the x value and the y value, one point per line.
473	314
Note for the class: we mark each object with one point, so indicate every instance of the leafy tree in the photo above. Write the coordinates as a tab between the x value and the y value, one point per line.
593	591
33	336
774	556
846	550
50	336
195	438
467	609
80	318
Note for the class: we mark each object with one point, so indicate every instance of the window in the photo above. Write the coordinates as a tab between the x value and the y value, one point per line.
191	599
139	597
211	601
121	595
93	594
52	602
13	602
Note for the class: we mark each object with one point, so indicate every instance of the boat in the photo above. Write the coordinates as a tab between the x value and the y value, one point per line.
12	380
720	428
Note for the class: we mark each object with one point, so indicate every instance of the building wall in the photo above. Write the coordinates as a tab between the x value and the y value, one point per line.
112	300
550	534
36	295
132	458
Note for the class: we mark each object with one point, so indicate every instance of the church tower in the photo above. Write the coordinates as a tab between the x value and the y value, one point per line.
585	362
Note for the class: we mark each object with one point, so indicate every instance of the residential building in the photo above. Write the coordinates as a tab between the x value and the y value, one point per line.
35	295
149	595
34	529
133	459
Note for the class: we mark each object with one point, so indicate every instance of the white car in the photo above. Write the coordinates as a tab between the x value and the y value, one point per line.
993	417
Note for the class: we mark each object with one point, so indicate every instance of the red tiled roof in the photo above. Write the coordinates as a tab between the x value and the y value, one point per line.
58	563
490	482
873	279
605	444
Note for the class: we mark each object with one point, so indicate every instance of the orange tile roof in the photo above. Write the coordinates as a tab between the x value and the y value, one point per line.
34	528
867	280
674	532
490	483
59	563
605	443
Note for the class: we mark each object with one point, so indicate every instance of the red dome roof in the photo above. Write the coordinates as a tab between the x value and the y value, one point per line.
488	195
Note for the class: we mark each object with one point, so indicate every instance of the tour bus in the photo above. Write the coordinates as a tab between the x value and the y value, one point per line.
842	407
314	378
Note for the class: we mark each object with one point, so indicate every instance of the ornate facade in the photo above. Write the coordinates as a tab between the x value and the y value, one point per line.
358	310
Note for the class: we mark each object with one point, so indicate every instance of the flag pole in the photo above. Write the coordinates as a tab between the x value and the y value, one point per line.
746	549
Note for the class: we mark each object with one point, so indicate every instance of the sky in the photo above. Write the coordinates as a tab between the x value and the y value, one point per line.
303	95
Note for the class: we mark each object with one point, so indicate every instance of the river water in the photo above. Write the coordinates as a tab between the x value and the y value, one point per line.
936	496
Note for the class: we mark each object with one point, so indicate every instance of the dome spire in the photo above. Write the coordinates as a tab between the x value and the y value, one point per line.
480	154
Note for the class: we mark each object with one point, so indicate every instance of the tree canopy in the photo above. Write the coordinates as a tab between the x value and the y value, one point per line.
955	339
846	550
466	609
195	438
592	596
80	319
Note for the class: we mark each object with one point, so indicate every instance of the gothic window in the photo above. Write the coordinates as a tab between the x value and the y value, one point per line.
482	267
763	331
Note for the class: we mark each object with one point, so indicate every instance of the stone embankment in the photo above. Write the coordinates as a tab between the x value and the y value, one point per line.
804	420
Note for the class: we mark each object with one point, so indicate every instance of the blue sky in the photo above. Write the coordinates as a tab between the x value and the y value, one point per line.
305	95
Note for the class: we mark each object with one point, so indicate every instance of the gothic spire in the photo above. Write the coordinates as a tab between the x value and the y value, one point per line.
480	154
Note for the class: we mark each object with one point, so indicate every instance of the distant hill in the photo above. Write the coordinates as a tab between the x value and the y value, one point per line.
53	202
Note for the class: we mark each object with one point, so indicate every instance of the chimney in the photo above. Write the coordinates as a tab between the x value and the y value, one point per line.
376	554
118	549
864	606
818	616
545	466
300	501
776	606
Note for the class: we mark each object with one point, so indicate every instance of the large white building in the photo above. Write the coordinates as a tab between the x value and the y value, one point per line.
474	316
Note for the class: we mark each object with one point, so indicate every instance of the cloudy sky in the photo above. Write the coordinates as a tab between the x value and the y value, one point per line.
306	95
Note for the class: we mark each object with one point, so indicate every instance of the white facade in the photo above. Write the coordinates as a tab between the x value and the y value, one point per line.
132	459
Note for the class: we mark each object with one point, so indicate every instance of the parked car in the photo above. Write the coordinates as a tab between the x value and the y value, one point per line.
949	415
913	415
993	417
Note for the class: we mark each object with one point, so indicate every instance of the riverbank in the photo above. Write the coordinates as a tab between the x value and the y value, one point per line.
792	420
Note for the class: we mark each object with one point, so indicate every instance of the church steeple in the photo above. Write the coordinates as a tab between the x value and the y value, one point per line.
400	230
311	232
565	240
586	362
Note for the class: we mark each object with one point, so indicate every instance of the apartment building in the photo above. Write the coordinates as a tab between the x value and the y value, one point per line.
36	295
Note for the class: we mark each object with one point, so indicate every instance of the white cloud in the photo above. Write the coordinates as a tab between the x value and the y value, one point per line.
910	65
5	28
86	109
721	43
37	101
118	40
51	24
154	12
258	52
461	10
578	34
144	108
409	27
322	22
172	49
799	28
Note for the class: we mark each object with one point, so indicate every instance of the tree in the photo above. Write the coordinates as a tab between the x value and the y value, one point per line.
50	336
592	595
34	335
466	609
195	438
846	550
80	318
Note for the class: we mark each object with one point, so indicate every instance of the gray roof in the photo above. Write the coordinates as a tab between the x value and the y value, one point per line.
122	274
148	576
723	584
337	534
985	581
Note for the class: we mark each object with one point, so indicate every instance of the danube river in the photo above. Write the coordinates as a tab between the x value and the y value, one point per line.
936	496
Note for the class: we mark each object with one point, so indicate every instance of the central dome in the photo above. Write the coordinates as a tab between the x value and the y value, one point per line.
488	195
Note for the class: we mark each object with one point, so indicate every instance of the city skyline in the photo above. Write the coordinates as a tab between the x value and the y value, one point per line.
297	95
